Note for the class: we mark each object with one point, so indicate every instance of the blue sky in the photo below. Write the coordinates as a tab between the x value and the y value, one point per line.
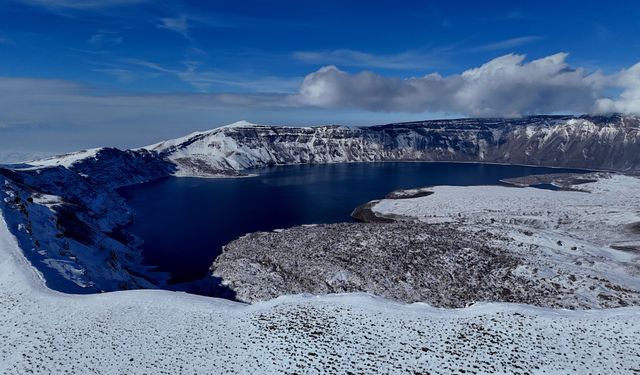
77	74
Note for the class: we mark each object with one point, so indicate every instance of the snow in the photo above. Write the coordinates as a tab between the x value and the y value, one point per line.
597	215
576	239
239	124
151	331
66	160
582	142
47	200
161	146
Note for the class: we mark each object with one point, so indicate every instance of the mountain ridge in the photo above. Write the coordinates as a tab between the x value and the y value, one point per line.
243	145
555	141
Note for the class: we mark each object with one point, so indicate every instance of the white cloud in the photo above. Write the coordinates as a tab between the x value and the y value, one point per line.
66	94
413	59
178	25
62	103
147	64
207	80
122	75
105	38
80	4
59	115
506	44
628	101
505	86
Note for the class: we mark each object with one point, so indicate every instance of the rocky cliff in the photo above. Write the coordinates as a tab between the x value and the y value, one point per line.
593	142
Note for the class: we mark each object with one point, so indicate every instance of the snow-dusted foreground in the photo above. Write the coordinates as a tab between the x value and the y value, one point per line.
158	332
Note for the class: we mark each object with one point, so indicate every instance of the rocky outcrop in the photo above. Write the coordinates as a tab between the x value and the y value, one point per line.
408	262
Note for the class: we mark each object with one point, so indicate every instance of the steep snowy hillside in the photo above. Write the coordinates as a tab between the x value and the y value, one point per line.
68	218
142	332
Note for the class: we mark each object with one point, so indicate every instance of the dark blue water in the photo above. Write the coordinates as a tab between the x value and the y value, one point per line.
186	221
546	187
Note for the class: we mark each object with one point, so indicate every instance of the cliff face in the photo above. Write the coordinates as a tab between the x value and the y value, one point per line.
610	142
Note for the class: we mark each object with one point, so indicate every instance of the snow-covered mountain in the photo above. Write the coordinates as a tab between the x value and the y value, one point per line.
611	142
593	142
68	216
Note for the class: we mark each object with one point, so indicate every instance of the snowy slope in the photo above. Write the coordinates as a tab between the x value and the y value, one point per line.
136	332
66	160
593	142
68	218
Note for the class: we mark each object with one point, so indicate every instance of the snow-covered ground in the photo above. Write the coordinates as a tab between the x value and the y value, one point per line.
585	242
150	331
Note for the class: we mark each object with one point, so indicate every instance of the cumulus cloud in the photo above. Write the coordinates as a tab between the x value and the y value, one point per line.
505	86
628	101
60	115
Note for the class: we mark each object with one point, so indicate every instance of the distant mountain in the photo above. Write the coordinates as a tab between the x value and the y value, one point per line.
593	142
597	142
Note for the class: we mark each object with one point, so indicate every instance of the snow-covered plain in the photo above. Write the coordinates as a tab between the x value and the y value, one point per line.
162	332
